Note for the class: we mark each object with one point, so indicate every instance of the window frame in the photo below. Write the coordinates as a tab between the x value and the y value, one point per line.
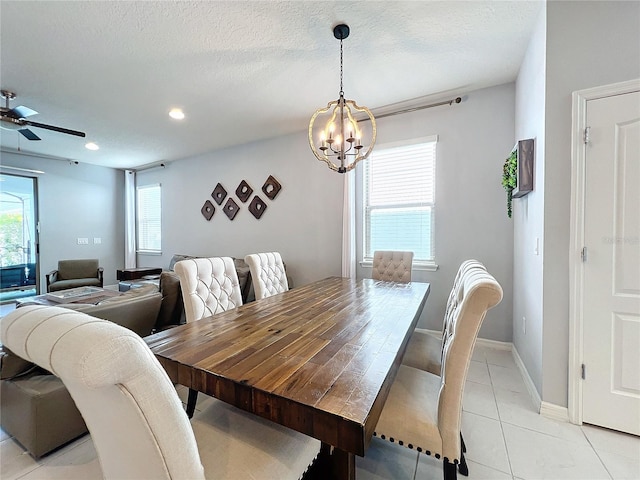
145	249
419	264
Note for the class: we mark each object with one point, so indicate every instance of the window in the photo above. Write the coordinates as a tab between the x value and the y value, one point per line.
149	218
399	200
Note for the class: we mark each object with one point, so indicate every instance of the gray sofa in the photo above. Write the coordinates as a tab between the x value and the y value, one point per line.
35	407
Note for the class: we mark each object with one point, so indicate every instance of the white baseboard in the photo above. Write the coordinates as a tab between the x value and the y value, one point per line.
555	412
546	409
531	388
430	332
495	344
479	341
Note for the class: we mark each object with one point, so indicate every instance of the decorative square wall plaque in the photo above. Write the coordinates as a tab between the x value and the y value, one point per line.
208	210
271	187
219	194
257	207
244	191
231	209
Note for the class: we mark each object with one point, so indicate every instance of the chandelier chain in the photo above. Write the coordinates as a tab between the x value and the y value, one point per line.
341	92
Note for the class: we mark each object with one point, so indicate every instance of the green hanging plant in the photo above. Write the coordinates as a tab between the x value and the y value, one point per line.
509	178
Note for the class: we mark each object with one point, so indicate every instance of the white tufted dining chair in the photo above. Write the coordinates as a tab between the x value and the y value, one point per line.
209	286
134	414
392	266
425	349
423	411
267	274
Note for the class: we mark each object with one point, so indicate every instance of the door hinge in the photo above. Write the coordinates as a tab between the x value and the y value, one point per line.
583	254
583	373
586	135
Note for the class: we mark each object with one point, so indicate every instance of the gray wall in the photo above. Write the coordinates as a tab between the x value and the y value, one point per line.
588	44
303	223
580	54
528	211
474	138
76	201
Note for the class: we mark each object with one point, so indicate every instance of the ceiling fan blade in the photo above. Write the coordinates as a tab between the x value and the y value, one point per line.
23	112
55	129
29	134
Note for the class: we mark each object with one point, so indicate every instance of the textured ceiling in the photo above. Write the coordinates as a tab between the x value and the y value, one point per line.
242	71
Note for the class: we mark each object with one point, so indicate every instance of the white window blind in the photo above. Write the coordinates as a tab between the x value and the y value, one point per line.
149	218
399	200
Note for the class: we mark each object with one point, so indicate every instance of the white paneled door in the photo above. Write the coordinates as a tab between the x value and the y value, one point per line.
611	309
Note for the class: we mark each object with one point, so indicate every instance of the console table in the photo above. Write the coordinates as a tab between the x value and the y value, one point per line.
136	273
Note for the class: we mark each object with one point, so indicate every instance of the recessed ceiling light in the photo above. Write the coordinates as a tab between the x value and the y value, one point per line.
176	113
92	146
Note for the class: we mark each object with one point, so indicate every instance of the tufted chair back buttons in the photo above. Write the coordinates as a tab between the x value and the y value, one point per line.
392	266
267	273
209	286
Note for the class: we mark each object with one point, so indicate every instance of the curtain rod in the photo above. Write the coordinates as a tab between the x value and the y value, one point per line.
149	166
413	109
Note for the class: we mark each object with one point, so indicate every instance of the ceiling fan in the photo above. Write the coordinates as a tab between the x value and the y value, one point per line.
16	119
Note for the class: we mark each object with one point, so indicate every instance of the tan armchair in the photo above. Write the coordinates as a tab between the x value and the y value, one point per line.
75	273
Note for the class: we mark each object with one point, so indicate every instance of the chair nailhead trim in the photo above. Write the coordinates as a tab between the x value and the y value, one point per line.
411	446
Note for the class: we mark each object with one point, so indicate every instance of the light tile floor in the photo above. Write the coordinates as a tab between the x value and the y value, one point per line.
505	437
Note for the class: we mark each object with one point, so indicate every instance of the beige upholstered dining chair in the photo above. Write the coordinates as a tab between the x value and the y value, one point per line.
392	266
267	274
133	412
209	286
423	411
425	349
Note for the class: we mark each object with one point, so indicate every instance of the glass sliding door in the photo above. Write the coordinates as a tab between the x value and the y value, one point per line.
18	236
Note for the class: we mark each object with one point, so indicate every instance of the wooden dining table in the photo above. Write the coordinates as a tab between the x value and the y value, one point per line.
319	358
